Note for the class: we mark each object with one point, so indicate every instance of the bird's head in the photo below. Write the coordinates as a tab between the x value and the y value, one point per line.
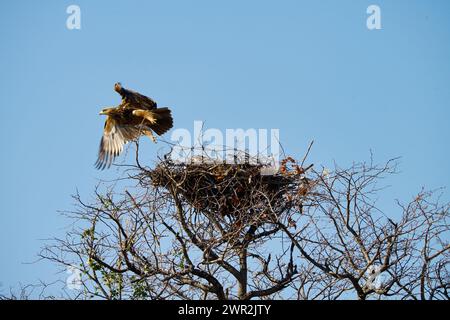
106	111
118	86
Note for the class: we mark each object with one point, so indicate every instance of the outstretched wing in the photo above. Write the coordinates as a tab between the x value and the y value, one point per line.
114	138
134	99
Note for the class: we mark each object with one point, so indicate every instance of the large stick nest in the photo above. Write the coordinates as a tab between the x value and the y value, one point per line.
235	190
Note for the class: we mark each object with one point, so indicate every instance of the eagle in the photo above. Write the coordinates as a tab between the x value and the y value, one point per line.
135	116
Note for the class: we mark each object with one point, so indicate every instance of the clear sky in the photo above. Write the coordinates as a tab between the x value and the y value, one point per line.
309	68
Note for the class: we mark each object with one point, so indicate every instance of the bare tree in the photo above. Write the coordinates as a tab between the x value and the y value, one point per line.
206	229
360	250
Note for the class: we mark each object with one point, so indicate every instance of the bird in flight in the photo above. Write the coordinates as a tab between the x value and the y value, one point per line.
135	116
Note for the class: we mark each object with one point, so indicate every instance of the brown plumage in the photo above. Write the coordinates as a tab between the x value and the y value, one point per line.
137	115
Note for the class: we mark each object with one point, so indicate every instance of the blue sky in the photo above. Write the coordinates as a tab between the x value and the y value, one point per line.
310	68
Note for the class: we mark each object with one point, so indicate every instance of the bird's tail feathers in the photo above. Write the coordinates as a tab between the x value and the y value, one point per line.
164	120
